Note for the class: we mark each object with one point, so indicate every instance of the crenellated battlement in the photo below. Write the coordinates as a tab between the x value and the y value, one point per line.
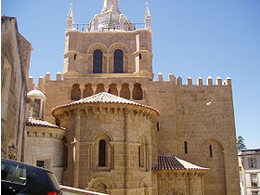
189	80
42	80
171	79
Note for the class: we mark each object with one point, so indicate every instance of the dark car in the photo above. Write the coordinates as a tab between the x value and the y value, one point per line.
23	179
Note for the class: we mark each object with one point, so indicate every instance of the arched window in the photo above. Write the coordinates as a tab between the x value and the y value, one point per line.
118	61
137	92
102	153
87	91
113	89
125	91
100	88
185	147
97	61
75	92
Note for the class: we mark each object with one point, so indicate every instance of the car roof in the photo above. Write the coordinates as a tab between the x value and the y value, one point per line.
25	164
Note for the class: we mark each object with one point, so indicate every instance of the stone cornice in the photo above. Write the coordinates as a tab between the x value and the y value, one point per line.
45	132
105	109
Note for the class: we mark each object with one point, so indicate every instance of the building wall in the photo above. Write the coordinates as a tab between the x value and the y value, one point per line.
125	129
170	182
15	57
247	170
199	113
45	144
80	46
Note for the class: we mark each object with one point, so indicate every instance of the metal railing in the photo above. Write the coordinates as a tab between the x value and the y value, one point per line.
108	27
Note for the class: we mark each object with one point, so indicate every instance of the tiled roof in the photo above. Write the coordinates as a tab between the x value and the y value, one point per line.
249	152
104	97
174	163
40	123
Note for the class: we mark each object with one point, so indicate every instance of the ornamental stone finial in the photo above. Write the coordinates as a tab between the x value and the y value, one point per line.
147	17
147	12
70	18
111	5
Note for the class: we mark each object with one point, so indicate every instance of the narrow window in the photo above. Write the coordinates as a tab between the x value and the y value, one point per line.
141	155
252	162
97	61
185	147
158	126
102	153
75	56
118	61
210	151
140	56
36	108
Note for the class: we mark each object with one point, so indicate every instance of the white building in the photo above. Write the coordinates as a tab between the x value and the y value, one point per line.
249	162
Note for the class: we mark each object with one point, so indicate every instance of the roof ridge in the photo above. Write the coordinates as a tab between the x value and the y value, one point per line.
104	97
39	122
170	162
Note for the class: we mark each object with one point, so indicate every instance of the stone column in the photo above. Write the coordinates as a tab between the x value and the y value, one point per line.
106	87
126	150
81	90
94	88
131	88
108	64
76	148
144	94
118	87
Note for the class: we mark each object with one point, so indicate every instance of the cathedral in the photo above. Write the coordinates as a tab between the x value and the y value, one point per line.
105	124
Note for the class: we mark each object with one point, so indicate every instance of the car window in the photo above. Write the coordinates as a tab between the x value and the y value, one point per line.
20	175
7	171
13	173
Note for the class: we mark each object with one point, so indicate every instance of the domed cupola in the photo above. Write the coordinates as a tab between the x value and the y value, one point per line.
110	18
36	108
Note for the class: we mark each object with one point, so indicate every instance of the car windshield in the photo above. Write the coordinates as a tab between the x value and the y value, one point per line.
54	181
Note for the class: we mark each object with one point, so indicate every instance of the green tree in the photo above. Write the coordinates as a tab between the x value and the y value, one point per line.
240	143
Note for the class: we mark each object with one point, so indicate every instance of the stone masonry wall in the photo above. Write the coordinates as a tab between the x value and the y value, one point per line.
125	129
15	57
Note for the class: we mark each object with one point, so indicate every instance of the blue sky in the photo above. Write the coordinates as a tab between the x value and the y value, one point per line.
196	38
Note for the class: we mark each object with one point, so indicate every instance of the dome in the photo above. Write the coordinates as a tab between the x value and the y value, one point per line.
110	18
36	94
110	21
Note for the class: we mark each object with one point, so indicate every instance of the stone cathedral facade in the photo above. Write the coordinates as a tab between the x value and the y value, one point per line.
106	125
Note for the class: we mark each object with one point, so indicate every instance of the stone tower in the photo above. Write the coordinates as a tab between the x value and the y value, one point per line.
111	44
196	121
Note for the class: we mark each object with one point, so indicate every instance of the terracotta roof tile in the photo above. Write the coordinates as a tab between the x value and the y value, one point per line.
174	163
104	97
37	122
